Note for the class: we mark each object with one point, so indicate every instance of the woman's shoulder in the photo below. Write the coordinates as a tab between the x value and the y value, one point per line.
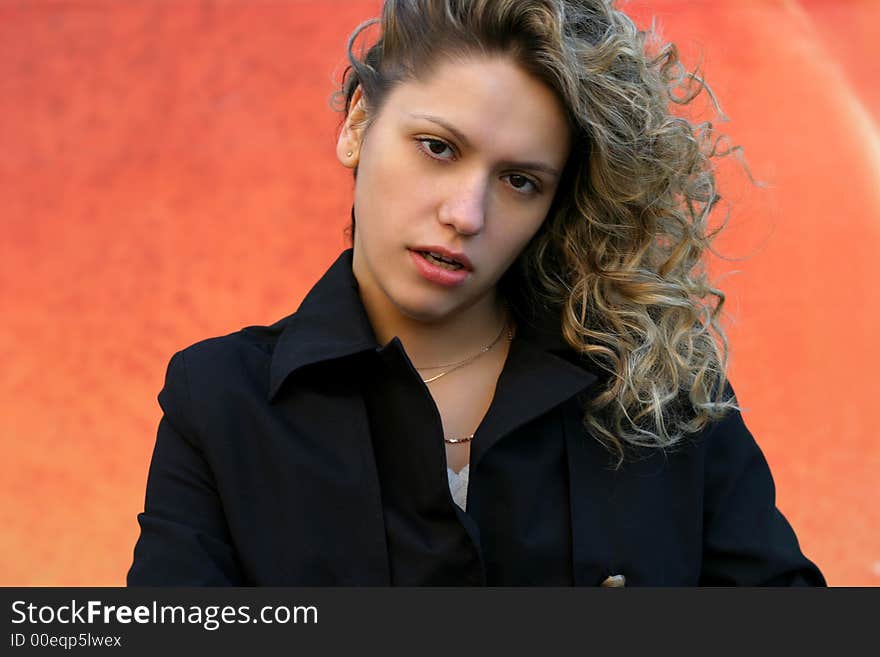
241	350
221	371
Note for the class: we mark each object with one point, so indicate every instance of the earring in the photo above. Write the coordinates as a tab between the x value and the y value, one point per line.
348	154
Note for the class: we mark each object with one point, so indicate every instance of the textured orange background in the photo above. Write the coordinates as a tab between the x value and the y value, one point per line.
167	173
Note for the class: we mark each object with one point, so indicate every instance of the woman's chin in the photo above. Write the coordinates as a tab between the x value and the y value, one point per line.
427	312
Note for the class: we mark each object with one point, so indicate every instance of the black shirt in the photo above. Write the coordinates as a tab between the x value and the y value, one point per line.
305	453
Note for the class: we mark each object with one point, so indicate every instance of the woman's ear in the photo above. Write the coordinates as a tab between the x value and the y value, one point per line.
348	147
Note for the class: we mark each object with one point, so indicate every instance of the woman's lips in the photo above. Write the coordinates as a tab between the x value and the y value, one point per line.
448	254
436	273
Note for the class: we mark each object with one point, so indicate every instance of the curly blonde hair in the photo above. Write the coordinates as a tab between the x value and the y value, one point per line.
619	257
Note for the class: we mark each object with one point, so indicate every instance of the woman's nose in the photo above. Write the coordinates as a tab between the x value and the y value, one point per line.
464	207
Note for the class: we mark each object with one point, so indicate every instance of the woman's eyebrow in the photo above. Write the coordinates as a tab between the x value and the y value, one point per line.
532	166
441	122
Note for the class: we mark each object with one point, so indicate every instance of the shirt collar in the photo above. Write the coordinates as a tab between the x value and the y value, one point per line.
331	323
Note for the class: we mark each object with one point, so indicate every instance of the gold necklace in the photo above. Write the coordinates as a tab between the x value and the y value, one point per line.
462	363
469	358
454	366
455	441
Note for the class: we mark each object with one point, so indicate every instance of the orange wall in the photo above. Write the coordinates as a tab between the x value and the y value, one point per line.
167	173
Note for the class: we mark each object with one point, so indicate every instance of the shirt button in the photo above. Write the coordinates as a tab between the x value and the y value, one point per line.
614	581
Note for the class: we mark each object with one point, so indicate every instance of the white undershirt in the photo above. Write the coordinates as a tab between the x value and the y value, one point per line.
458	485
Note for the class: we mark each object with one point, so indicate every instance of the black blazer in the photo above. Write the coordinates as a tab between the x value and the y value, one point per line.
304	453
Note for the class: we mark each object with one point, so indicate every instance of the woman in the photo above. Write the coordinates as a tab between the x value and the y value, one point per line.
516	376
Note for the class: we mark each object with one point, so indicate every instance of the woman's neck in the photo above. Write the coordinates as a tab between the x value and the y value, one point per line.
450	339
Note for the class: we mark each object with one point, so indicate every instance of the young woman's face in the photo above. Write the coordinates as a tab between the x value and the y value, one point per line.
464	162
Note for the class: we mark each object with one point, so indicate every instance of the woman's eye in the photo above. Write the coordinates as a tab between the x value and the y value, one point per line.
435	148
522	183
